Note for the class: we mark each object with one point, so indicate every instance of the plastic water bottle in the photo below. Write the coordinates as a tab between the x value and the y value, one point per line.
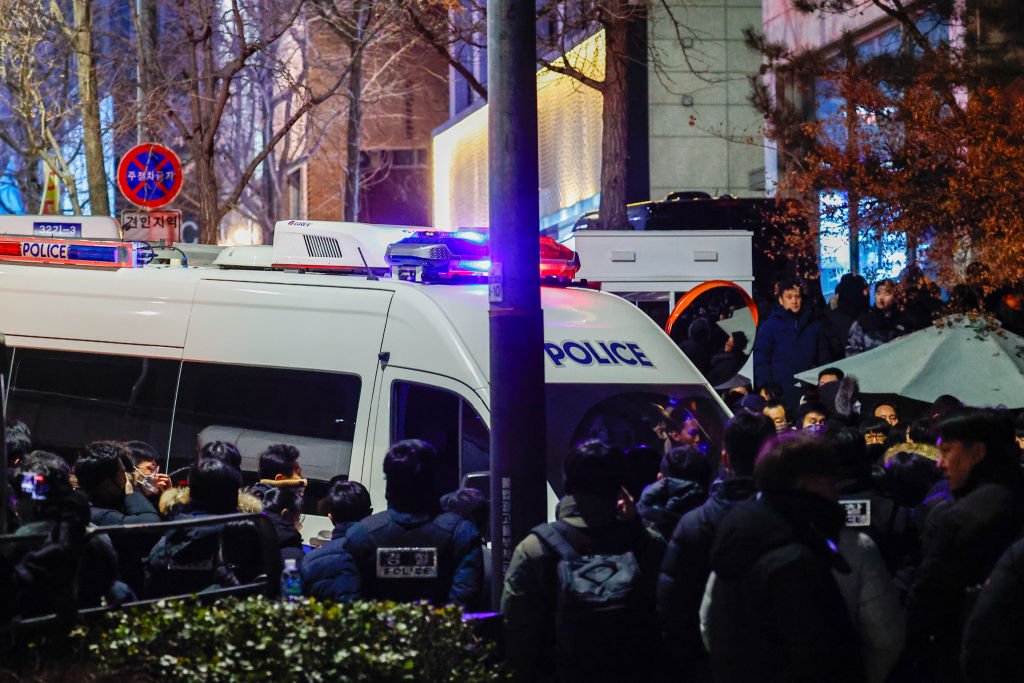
291	581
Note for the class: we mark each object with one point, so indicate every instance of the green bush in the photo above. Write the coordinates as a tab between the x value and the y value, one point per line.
259	639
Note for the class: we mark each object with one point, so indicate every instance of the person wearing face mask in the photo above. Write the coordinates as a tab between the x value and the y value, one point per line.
101	475
879	324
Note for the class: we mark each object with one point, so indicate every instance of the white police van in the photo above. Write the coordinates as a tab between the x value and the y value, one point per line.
340	339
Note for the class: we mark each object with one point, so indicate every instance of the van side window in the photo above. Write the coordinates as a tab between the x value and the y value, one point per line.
68	399
448	422
254	407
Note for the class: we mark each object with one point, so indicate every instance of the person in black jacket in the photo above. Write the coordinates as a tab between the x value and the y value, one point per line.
868	508
993	644
682	485
851	300
447	564
101	475
776	613
791	340
193	559
685	569
283	507
322	575
880	324
965	536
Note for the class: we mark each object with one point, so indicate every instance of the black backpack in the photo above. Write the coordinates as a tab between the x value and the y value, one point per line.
603	621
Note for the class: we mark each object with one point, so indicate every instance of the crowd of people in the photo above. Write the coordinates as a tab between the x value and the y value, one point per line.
837	549
816	547
115	484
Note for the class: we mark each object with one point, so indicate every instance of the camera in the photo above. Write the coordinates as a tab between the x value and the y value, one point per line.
34	485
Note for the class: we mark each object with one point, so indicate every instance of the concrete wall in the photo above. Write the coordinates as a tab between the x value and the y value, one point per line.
719	150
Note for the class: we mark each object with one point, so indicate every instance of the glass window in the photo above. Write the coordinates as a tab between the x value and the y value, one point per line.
254	407
68	399
448	423
627	417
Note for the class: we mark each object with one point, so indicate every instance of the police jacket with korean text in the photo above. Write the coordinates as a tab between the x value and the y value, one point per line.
443	562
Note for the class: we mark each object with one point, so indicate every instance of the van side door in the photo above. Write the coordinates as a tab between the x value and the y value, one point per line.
275	362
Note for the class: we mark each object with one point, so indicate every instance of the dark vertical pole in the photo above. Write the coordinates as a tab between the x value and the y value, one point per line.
4	490
518	468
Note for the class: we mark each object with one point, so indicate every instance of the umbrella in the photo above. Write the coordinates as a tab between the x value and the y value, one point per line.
978	365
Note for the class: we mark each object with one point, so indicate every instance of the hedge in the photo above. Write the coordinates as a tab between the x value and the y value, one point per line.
257	639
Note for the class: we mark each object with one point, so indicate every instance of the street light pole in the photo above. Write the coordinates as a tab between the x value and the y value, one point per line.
518	462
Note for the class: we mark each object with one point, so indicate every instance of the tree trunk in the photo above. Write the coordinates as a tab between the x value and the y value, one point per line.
92	136
355	113
209	210
614	122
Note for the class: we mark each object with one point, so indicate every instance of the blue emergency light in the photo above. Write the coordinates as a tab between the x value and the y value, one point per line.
70	252
466	254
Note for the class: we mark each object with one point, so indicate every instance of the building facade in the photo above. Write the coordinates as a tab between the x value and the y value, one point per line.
691	124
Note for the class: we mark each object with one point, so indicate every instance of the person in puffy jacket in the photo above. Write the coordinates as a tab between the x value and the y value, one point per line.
791	340
324	574
776	612
447	565
682	485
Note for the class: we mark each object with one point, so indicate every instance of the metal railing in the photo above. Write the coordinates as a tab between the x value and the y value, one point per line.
63	621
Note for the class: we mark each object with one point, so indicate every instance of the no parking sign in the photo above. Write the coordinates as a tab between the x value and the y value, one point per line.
149	175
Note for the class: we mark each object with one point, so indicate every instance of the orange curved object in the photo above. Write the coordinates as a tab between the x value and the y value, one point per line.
700	289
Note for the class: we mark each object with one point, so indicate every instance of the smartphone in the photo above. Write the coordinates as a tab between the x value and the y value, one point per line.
34	485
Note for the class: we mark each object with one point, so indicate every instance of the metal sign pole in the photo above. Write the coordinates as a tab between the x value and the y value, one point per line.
518	462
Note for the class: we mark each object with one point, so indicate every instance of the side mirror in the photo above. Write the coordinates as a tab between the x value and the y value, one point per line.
714	324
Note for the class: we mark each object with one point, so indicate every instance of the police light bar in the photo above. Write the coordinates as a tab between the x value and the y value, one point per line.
466	253
70	252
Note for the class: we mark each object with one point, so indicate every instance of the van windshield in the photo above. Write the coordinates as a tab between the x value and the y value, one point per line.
641	419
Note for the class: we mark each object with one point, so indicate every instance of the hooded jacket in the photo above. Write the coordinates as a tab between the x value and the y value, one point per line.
685	570
787	343
776	612
663	503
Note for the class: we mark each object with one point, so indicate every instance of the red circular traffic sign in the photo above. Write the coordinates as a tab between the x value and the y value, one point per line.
149	175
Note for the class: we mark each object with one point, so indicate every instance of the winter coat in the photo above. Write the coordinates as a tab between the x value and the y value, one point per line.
851	301
873	604
327	571
174	501
684	572
725	365
787	343
289	540
881	518
663	503
460	556
132	548
529	598
963	539
995	630
697	345
874	328
776	613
